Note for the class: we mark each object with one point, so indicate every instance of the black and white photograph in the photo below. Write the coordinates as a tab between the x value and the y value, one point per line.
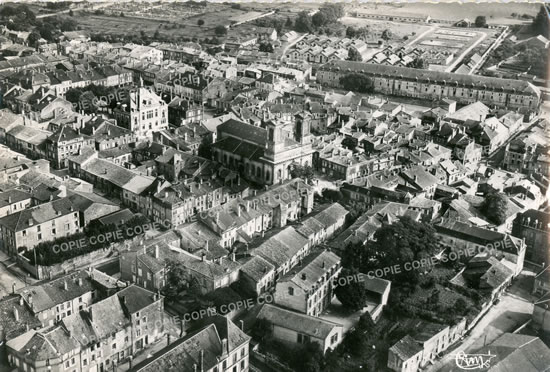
274	186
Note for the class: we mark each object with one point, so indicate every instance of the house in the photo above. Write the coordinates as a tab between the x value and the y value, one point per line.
534	226
14	200
294	328
463	236
65	142
24	230
106	333
417	350
309	288
323	225
258	275
283	250
218	346
485	273
143	113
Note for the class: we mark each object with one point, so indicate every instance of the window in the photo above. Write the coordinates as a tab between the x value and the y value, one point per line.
291	291
114	346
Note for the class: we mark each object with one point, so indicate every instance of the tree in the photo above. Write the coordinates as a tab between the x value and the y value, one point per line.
303	22
266	47
494	207
357	82
386	35
262	329
220	30
351	32
481	21
288	23
200	22
319	19
418	63
401	243
176	279
354	55
302	172
34	37
540	23
353	294
333	195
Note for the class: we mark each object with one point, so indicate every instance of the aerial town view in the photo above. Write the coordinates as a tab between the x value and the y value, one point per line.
208	186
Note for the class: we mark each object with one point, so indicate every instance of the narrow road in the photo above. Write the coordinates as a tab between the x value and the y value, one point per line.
461	57
431	29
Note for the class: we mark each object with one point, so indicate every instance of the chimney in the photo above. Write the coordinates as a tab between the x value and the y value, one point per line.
9	199
206	245
203	257
238	210
65	286
248	205
224	346
21	301
16	314
157	251
233	256
242	324
202	360
80	282
31	222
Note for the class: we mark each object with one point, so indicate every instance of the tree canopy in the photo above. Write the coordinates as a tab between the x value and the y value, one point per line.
494	207
354	55
481	21
357	82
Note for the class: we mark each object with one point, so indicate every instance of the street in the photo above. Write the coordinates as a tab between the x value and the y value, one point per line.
8	277
513	310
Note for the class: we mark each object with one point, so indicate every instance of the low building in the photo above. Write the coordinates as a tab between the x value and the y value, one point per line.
293	328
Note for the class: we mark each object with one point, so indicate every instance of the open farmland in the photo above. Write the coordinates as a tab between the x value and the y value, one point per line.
166	25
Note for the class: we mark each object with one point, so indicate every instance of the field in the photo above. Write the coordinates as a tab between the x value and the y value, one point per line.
398	30
453	11
170	20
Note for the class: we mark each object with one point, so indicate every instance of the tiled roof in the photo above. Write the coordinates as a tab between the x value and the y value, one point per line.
305	324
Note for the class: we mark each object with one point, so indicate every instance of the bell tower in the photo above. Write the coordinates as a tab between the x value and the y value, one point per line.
303	127
275	139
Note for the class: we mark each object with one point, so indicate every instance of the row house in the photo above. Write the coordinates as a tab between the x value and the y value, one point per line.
106	134
107	333
14	200
323	225
464	89
416	351
65	142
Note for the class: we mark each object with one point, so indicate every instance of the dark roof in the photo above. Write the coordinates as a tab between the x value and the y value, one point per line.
244	131
477	81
